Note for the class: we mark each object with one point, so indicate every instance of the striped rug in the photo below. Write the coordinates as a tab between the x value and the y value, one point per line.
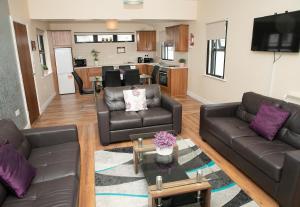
118	186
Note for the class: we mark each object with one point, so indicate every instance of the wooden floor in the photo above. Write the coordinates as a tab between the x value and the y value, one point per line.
80	110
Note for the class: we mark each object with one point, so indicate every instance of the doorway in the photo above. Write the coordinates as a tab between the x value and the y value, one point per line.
26	70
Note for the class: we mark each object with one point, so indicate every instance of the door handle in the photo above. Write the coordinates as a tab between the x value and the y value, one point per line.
33	74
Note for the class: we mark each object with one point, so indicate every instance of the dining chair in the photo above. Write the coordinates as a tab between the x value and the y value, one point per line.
79	82
124	67
154	74
112	78
104	70
131	77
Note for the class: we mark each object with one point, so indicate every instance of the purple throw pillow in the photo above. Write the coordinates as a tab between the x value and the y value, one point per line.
15	171
268	120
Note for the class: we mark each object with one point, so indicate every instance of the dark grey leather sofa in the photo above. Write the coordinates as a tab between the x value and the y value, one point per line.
273	165
115	124
55	153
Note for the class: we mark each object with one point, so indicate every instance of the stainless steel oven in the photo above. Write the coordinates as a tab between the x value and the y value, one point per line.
163	77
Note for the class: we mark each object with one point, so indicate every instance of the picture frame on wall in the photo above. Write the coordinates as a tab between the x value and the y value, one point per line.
33	45
121	50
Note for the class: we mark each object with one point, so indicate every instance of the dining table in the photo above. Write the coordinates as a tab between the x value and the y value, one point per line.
97	80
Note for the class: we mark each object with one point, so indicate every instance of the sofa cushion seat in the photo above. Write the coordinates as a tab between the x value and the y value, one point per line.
156	116
266	155
228	128
58	192
124	120
55	161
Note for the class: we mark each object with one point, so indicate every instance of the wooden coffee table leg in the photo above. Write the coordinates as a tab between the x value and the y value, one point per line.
136	162
206	197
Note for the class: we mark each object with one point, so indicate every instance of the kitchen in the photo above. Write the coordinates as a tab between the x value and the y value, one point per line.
139	44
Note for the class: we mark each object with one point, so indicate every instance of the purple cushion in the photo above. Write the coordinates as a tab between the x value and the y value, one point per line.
268	120
15	171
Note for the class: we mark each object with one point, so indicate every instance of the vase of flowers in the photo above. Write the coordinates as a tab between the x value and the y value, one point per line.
164	143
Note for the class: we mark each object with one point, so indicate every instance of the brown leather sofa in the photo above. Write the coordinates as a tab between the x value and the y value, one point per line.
273	165
115	124
55	153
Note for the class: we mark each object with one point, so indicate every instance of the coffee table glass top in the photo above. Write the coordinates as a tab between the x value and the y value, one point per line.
181	171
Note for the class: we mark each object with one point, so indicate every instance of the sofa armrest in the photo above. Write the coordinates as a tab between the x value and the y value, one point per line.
219	110
289	187
176	109
43	137
103	121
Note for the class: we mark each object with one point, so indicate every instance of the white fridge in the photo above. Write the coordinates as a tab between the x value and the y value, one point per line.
64	67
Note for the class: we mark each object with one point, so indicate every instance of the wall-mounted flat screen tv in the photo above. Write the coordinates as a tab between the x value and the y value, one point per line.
277	33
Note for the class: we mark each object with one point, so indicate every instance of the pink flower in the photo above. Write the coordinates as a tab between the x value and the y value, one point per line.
164	139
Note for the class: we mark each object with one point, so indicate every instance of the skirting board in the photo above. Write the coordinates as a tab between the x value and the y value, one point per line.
46	104
199	98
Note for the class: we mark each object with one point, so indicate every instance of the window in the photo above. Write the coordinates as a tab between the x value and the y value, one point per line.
216	49
84	39
42	53
167	51
103	38
125	38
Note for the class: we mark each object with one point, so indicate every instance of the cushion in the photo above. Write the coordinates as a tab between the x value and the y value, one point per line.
156	116
265	155
11	134
124	120
15	170
252	101
114	97
290	132
55	161
269	120
59	193
227	129
135	100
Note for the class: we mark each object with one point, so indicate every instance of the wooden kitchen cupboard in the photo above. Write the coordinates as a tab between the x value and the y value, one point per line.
86	73
146	40
177	82
179	36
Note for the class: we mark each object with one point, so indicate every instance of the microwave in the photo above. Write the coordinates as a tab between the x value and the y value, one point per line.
79	62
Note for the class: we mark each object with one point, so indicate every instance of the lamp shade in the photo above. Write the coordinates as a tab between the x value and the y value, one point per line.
133	2
112	24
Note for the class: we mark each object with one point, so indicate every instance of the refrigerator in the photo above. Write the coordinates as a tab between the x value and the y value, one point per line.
64	67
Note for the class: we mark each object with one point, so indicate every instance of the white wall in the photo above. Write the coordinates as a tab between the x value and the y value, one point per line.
245	70
108	51
44	85
112	9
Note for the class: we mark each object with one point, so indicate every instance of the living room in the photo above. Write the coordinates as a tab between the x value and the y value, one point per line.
243	68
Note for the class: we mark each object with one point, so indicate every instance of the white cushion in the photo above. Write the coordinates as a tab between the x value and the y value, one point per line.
135	100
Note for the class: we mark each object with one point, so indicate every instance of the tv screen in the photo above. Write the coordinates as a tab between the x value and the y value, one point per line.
277	33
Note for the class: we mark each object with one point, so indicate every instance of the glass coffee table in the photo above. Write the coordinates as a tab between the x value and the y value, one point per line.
169	184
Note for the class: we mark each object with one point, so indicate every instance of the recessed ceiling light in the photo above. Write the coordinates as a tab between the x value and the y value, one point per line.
133	2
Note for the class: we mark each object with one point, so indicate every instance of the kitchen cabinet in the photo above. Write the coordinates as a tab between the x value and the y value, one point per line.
61	38
179	36
86	73
177	82
145	69
146	40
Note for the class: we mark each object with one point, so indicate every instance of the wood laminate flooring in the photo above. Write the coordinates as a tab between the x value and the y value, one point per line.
80	110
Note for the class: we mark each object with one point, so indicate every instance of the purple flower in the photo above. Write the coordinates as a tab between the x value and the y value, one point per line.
164	139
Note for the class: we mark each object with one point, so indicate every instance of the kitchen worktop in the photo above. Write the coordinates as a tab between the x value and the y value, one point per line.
116	65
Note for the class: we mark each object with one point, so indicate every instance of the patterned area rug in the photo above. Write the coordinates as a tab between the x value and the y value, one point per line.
118	186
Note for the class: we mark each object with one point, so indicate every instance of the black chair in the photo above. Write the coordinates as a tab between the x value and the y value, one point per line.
124	67
112	78
79	82
104	70
131	77
154	74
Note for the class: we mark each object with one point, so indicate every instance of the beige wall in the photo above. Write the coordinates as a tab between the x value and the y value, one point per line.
44	85
112	9
245	70
108	51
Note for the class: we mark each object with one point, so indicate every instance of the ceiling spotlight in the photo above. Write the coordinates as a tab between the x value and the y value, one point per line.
133	2
112	24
